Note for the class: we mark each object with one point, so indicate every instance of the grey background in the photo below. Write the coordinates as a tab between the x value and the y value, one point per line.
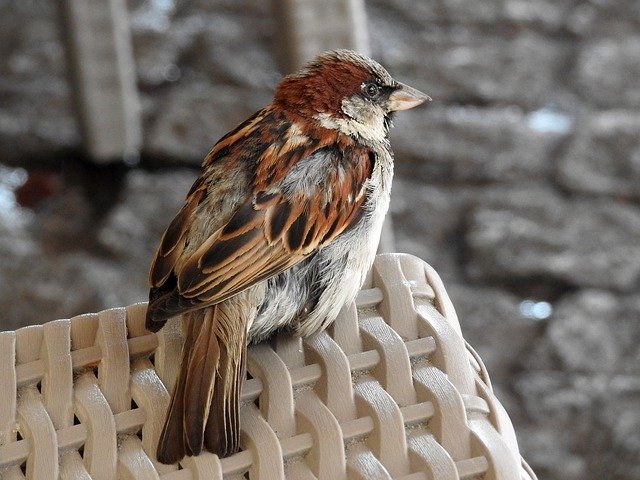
520	184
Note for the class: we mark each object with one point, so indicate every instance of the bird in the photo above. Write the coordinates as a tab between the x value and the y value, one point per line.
278	232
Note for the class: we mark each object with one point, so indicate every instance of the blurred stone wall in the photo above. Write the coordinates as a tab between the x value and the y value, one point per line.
520	183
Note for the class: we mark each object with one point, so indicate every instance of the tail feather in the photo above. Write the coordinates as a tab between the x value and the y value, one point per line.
200	382
171	447
222	432
204	408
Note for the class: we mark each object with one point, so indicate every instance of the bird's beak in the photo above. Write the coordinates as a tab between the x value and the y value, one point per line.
406	97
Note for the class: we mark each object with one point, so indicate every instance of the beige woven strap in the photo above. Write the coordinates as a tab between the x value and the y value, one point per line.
390	391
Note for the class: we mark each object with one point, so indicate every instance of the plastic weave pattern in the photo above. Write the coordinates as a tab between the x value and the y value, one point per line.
390	391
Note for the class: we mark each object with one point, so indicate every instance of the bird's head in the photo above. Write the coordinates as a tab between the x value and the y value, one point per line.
347	91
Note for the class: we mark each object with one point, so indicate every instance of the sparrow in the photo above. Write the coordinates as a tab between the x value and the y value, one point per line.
278	232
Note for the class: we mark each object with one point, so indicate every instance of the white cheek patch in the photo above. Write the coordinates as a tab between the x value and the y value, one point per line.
371	127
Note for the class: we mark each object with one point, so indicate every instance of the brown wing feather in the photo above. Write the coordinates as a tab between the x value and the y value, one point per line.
270	231
172	243
282	234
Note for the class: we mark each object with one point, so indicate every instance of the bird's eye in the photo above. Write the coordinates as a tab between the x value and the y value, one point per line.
371	90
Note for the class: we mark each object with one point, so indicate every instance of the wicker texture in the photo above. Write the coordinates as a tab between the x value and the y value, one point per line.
391	390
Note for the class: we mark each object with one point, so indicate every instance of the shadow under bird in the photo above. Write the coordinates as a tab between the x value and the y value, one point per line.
278	231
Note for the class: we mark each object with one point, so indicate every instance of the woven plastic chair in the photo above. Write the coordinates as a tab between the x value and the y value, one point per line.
390	391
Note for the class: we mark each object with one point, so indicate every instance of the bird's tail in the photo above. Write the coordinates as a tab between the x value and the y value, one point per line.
204	408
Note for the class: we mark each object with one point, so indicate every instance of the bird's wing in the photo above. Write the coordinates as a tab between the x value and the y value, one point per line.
280	223
223	158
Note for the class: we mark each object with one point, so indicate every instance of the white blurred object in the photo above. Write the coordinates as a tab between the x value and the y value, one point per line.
536	310
547	120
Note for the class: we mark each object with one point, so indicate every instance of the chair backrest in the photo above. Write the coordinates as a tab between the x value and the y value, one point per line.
390	390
